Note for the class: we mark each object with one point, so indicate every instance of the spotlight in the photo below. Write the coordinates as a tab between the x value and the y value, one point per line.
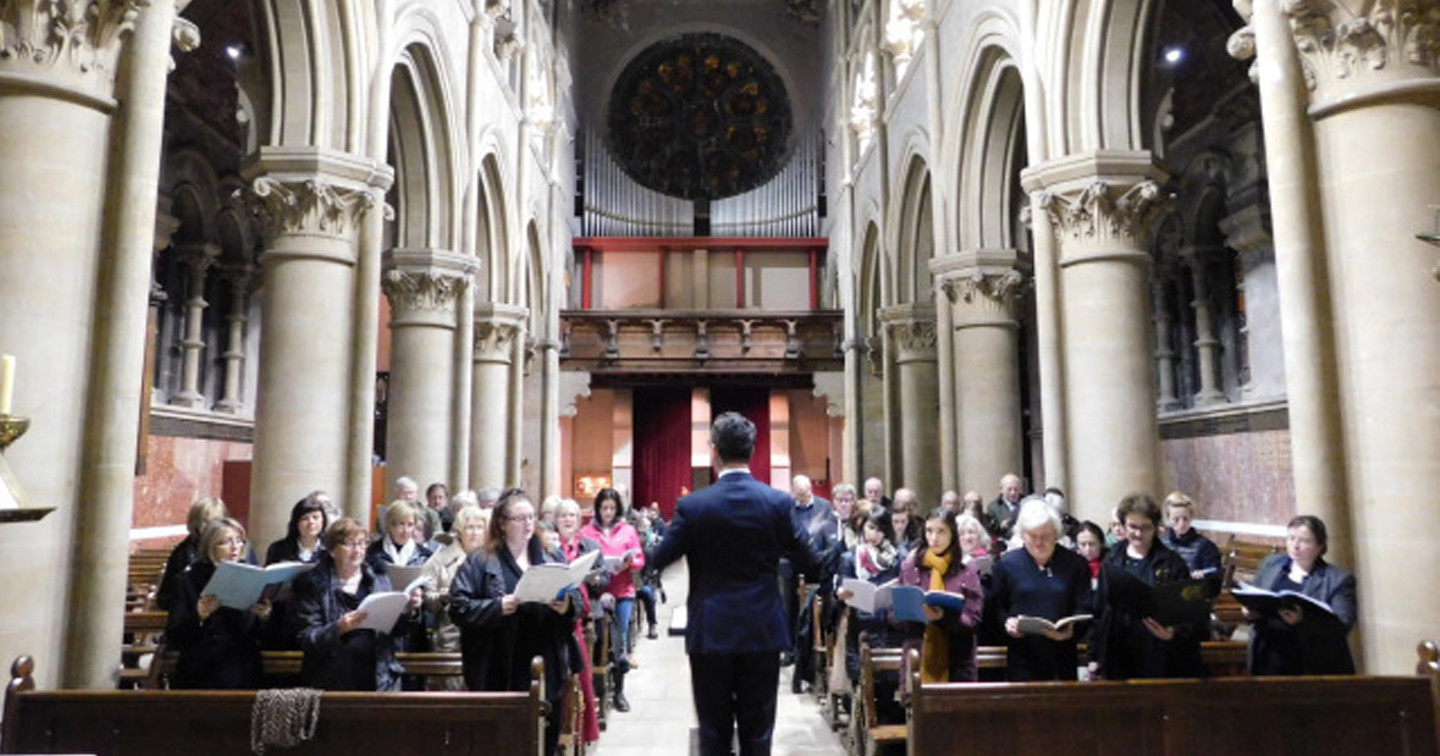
1173	55
235	52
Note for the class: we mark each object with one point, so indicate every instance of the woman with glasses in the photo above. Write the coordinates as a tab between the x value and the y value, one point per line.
499	635
219	646
1039	580
1124	645
325	617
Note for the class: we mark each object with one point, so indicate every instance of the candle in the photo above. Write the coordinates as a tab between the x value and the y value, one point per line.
7	382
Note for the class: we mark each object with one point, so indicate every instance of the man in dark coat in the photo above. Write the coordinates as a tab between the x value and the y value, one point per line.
734	534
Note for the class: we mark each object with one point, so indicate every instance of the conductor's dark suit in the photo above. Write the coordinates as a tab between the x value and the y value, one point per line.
734	534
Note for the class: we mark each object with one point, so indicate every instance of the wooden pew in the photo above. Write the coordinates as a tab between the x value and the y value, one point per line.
142	649
1272	716
111	723
1238	562
143	572
867	733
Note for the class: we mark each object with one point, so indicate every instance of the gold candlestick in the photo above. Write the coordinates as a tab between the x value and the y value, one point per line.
12	427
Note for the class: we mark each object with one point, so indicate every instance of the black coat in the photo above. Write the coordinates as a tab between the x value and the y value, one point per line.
1313	647
496	648
358	660
1120	642
288	550
223	651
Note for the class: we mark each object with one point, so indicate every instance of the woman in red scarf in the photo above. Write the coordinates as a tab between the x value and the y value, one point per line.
947	640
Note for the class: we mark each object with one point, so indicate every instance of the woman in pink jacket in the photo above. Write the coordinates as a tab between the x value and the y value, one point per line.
620	545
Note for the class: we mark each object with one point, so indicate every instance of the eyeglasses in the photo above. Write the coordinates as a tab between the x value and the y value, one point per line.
520	518
1139	527
358	543
231	542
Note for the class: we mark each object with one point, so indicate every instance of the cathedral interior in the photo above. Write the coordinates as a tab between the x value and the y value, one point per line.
254	249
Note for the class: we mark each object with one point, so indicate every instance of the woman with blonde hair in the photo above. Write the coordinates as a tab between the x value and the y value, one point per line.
202	511
219	646
469	528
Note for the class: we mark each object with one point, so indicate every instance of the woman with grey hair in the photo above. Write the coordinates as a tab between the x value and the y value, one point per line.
1040	580
470	525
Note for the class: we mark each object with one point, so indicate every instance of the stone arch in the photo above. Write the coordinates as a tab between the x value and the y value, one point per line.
1097	71
989	158
422	151
317	59
492	236
194	189
871	290
913	240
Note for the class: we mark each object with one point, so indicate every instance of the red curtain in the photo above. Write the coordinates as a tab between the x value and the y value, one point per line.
753	403
662	445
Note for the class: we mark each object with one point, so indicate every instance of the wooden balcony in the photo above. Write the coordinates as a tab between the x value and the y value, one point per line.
709	341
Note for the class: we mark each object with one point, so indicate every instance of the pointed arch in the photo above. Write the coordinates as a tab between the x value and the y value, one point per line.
492	237
1099	72
992	153
422	151
913	239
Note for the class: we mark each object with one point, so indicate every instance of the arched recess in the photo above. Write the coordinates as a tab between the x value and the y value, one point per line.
422	152
991	155
870	425
492	236
914	243
317	56
532	288
1099	74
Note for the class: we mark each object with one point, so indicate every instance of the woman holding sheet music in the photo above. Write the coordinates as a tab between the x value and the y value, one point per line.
219	646
947	641
618	539
1124	644
499	635
301	543
1300	640
1040	580
327	622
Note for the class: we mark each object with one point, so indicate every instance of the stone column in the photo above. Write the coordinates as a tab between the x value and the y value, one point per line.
312	201
239	277
1247	231
1049	345
911	330
548	473
983	288
497	326
521	351
1102	206
1306	314
197	258
422	286
854	421
1164	354
1374	74
59	118
1207	346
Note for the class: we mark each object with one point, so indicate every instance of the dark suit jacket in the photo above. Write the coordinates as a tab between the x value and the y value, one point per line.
734	534
1310	648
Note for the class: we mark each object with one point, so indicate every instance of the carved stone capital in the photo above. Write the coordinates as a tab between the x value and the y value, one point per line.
76	42
314	192
1344	48
1103	212
496	328
423	285
987	295
912	331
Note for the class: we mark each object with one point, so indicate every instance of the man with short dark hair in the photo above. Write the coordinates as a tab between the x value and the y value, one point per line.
733	535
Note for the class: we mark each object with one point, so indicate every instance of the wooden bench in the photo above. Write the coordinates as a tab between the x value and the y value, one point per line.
143	573
1270	716
867	734
1238	562
111	723
141	649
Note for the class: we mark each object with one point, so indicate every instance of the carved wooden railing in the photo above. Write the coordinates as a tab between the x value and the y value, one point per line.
801	341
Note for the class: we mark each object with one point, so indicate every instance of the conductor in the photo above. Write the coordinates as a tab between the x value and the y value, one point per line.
735	533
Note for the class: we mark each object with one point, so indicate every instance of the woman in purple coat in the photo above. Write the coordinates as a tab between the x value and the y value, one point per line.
947	641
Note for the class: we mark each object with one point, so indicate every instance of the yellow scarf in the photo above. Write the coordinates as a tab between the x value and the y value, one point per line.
935	653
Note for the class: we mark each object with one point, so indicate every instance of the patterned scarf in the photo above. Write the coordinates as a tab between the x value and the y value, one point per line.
935	653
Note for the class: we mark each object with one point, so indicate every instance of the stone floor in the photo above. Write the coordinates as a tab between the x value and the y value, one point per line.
662	712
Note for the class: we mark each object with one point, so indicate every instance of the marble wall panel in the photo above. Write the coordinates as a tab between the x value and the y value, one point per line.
1237	477
178	471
